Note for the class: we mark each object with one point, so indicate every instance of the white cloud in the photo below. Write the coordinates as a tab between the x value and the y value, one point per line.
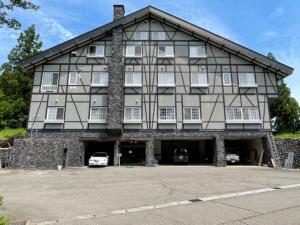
277	13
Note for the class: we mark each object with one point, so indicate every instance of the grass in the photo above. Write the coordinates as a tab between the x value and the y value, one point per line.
3	220
288	135
10	132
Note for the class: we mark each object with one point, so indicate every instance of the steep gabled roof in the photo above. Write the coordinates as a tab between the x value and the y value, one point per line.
171	20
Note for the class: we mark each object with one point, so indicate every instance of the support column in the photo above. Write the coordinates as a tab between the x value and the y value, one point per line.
149	152
219	152
116	153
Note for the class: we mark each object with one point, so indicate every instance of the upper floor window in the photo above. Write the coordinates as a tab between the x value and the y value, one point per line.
73	78
165	51
242	114
133	51
247	80
140	35
55	114
132	114
96	51
226	78
166	79
158	35
199	79
49	81
197	51
133	79
98	114
191	114
167	114
100	79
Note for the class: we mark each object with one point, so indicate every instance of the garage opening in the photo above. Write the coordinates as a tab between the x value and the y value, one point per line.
96	146
248	151
133	153
184	151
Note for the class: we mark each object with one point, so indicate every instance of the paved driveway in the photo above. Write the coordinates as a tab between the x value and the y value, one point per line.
138	195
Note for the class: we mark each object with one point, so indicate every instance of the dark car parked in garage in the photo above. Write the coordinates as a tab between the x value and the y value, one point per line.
181	155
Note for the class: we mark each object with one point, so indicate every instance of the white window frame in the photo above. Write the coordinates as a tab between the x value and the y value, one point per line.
136	78
238	115
161	82
92	120
168	110
128	47
229	79
132	111
140	35
49	87
70	78
102	73
203	55
165	55
191	120
161	35
199	84
100	55
248	78
54	120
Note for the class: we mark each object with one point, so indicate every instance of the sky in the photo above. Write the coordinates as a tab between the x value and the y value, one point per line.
264	26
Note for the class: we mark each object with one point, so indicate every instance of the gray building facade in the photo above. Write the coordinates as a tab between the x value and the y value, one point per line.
144	85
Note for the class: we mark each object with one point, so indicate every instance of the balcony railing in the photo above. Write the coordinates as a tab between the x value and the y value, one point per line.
49	88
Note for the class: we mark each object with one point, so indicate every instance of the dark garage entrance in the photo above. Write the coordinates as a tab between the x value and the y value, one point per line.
199	151
133	153
95	146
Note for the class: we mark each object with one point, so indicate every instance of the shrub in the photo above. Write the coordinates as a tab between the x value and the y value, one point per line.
3	220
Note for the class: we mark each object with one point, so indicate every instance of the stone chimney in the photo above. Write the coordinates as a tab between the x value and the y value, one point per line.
119	11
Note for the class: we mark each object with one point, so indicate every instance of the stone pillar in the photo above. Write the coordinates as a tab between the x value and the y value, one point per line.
149	152
116	153
219	152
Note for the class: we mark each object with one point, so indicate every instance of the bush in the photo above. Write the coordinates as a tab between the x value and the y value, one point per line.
288	135
3	220
9	132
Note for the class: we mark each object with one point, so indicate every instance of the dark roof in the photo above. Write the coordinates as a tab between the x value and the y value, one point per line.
171	20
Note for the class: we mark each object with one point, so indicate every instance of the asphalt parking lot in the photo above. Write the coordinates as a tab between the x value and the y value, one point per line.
182	195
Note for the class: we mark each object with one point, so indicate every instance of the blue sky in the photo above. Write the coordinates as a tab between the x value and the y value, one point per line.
269	25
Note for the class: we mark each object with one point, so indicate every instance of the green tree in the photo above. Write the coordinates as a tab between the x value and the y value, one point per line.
3	220
5	8
15	84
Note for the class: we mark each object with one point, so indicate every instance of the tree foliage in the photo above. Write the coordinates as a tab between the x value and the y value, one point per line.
9	6
15	84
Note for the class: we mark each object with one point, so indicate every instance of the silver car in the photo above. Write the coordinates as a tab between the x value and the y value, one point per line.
232	158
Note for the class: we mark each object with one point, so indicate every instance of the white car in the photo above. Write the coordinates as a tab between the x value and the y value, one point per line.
232	158
99	159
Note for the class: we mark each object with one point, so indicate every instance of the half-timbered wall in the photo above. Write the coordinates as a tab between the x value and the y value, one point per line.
212	100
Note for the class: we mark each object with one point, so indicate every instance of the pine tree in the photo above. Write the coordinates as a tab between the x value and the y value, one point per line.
15	84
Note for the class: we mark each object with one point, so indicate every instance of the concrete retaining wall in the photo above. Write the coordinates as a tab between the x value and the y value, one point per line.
286	145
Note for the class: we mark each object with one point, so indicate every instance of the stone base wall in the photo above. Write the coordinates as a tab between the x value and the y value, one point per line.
286	145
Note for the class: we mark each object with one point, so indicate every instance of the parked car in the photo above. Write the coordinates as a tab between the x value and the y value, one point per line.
99	159
181	155
232	158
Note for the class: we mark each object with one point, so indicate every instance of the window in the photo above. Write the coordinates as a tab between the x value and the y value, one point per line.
132	114
49	81
199	79
191	114
100	79
242	114
165	51
166	79
167	114
133	79
96	51
98	114
247	79
226	78
133	51
197	51
140	35
73	78
55	114
158	36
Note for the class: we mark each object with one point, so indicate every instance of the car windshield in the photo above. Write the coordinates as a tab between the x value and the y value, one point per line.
100	154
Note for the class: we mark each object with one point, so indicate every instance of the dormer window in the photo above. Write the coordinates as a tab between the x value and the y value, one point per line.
140	35
96	51
165	51
197	52
133	51
158	35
